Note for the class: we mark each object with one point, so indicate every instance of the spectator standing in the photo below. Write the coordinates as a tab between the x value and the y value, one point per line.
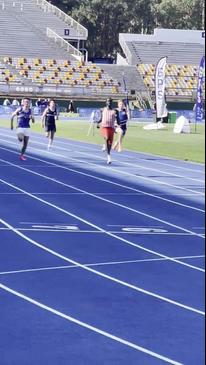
71	108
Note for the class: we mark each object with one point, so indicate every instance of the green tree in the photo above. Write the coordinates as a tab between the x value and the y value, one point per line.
105	19
66	5
180	14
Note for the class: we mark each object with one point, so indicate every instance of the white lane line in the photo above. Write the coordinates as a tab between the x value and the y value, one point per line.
109	194
98	232
96	148
121	172
103	199
111	263
171	166
139	166
130	164
160	182
87	326
108	181
98	273
113	183
106	232
146	168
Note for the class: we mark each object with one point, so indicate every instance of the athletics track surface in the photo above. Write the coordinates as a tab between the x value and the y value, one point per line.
99	265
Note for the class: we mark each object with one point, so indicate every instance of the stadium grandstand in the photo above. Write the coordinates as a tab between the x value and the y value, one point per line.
43	54
37	58
183	48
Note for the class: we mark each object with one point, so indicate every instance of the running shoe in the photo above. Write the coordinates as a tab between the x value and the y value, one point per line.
109	160
22	158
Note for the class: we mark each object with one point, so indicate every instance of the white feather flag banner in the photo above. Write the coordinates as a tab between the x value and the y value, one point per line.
160	85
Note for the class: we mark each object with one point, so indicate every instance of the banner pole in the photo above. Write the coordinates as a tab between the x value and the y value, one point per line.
199	98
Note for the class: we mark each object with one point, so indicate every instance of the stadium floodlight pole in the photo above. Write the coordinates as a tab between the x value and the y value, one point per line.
127	94
125	88
91	128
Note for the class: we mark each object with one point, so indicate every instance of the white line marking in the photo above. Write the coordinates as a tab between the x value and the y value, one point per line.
122	162
140	166
150	179
111	263
102	230
95	148
50	223
145	168
172	166
98	232
111	194
98	273
87	326
108	181
121	172
103	199
66	228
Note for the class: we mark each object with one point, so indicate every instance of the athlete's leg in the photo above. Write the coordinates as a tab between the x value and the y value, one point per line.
20	137
25	144
108	146
120	139
24	147
47	131
116	145
108	149
110	140
51	137
108	135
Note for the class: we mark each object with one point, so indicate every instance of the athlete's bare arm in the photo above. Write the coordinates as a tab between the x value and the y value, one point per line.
32	118
13	116
43	118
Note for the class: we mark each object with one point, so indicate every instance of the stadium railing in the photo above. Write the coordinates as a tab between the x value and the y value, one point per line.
64	44
47	7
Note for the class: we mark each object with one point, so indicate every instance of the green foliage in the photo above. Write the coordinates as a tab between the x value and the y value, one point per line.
180	14
105	19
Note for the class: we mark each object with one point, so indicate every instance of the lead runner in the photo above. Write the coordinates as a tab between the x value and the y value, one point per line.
108	127
24	116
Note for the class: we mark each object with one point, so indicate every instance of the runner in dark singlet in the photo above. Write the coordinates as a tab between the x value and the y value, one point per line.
49	122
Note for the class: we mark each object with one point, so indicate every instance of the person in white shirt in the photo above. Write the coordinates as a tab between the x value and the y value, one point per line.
15	102
6	102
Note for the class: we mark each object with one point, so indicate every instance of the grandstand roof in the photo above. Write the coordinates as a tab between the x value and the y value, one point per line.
180	46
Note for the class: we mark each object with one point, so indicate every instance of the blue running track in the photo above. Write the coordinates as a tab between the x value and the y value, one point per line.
99	265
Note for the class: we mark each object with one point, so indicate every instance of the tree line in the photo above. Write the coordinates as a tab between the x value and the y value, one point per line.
105	19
